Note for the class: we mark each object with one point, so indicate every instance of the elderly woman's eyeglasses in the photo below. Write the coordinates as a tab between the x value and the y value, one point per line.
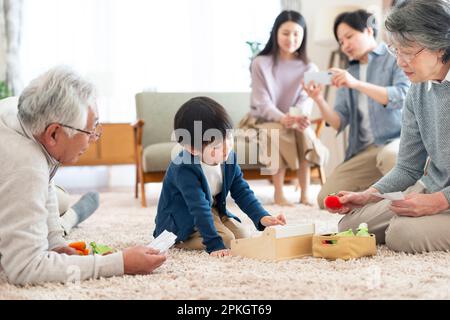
93	135
407	57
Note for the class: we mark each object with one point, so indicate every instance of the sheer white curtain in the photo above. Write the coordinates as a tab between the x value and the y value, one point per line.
10	38
126	46
295	5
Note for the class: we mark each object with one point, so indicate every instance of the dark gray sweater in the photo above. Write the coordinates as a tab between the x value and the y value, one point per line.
425	132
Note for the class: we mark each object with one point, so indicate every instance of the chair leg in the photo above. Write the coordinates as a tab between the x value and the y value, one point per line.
143	199
322	176
140	178
136	185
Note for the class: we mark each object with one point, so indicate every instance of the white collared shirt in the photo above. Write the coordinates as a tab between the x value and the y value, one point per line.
430	82
363	107
214	177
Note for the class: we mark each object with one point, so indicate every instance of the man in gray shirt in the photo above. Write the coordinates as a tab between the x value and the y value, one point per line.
53	123
420	39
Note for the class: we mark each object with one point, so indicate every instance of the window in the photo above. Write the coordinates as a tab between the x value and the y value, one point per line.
127	46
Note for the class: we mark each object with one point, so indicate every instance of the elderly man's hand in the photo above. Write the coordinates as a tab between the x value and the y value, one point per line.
66	250
418	204
141	260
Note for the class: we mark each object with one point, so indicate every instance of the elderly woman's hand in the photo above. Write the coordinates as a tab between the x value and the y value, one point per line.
418	204
353	200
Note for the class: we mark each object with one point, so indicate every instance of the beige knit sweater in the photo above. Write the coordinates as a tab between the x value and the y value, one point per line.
29	219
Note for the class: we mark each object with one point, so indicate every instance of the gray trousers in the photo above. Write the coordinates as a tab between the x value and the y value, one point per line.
399	233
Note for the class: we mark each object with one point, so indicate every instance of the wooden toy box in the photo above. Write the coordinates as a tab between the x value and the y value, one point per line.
277	243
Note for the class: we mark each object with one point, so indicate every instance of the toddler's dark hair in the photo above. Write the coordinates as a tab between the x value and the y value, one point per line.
207	112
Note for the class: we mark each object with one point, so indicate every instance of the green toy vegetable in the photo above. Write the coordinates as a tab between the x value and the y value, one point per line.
348	233
101	249
363	230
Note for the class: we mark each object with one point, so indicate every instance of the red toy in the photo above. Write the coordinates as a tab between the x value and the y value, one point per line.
332	202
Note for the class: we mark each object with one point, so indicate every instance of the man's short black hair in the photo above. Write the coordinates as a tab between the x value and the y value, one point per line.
201	112
358	20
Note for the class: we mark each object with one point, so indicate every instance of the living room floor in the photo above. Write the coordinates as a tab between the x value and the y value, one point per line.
121	222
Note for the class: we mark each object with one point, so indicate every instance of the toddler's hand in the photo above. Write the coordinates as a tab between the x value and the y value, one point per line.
221	253
268	221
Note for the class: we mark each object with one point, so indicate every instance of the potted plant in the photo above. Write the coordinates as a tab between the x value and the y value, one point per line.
4	90
255	48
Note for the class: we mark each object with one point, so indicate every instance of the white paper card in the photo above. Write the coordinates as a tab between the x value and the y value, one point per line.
391	196
164	241
323	77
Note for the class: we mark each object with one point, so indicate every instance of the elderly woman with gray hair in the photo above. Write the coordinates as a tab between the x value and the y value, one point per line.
53	123
419	33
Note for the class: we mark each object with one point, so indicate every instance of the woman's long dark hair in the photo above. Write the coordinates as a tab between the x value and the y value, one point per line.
272	47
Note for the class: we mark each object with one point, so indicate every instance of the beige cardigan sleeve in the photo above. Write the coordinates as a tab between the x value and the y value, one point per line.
27	233
55	231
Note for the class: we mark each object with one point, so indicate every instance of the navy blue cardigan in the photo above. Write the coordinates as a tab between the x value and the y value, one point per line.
186	201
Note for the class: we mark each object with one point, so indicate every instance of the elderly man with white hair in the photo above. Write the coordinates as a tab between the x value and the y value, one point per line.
420	39
53	123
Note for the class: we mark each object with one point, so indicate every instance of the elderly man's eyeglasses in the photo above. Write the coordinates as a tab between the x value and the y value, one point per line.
407	57
94	134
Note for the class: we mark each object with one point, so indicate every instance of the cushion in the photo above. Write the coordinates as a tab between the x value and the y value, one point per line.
157	157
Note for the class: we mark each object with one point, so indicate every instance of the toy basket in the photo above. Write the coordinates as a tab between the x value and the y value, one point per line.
339	247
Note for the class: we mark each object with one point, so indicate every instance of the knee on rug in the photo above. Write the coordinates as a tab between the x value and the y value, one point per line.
321	198
401	237
348	221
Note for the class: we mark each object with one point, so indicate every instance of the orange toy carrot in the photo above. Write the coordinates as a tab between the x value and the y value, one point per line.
78	245
84	252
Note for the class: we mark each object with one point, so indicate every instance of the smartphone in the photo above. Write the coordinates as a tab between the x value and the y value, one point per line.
322	77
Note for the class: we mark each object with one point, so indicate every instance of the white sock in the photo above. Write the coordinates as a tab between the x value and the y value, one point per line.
69	220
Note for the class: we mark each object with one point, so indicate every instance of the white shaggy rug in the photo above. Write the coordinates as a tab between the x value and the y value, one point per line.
121	222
